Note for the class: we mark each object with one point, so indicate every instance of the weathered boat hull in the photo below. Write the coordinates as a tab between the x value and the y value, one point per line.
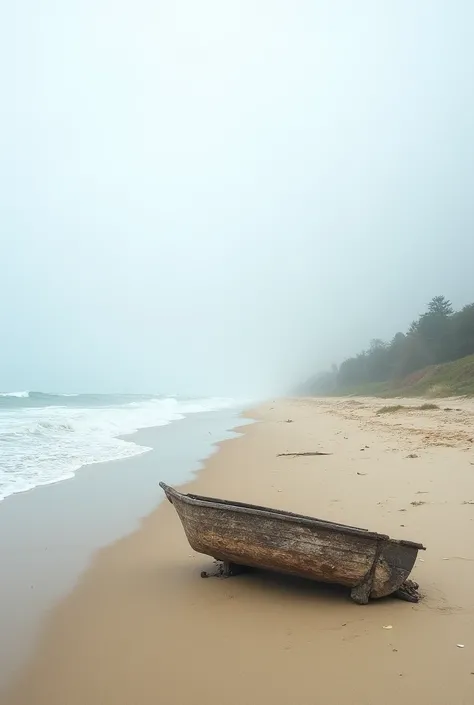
372	565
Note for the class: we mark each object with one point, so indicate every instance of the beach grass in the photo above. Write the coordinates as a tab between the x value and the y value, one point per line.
428	406
390	409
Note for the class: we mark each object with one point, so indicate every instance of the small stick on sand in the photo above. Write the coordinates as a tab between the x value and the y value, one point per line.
293	455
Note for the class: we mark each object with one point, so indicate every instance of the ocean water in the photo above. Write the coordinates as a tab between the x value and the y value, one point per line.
45	438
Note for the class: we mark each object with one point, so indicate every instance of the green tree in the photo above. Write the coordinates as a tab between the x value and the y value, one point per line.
434	327
438	335
440	306
463	332
378	361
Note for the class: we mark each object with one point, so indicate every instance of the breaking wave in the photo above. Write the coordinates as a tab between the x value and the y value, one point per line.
45	438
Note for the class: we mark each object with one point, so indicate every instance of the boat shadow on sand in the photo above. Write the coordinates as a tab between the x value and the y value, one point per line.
271	583
274	584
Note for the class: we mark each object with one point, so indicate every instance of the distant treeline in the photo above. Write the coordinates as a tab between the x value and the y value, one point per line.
439	335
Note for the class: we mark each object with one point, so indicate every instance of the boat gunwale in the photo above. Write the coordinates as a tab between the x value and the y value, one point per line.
283	515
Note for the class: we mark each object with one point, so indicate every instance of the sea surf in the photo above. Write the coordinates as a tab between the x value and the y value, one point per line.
46	438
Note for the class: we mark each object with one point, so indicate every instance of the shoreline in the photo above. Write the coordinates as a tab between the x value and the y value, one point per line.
50	534
142	627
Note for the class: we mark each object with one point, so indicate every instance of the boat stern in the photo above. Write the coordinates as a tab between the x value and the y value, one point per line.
395	563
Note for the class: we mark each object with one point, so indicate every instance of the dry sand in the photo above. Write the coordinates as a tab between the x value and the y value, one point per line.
142	628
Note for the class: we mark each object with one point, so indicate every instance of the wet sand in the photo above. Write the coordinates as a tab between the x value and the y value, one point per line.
49	534
142	627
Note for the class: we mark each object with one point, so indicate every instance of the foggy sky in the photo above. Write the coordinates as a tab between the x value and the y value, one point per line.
223	197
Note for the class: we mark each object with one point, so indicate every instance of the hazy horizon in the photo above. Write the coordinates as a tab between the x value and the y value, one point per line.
224	199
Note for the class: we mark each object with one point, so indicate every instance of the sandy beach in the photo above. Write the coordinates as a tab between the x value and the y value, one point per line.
141	627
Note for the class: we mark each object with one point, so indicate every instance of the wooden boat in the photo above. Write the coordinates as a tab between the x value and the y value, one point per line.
372	565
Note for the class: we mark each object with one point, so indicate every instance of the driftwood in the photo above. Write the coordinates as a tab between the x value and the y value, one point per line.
372	565
408	591
294	455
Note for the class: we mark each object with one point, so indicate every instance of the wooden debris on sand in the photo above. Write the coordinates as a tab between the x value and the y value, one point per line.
305	454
